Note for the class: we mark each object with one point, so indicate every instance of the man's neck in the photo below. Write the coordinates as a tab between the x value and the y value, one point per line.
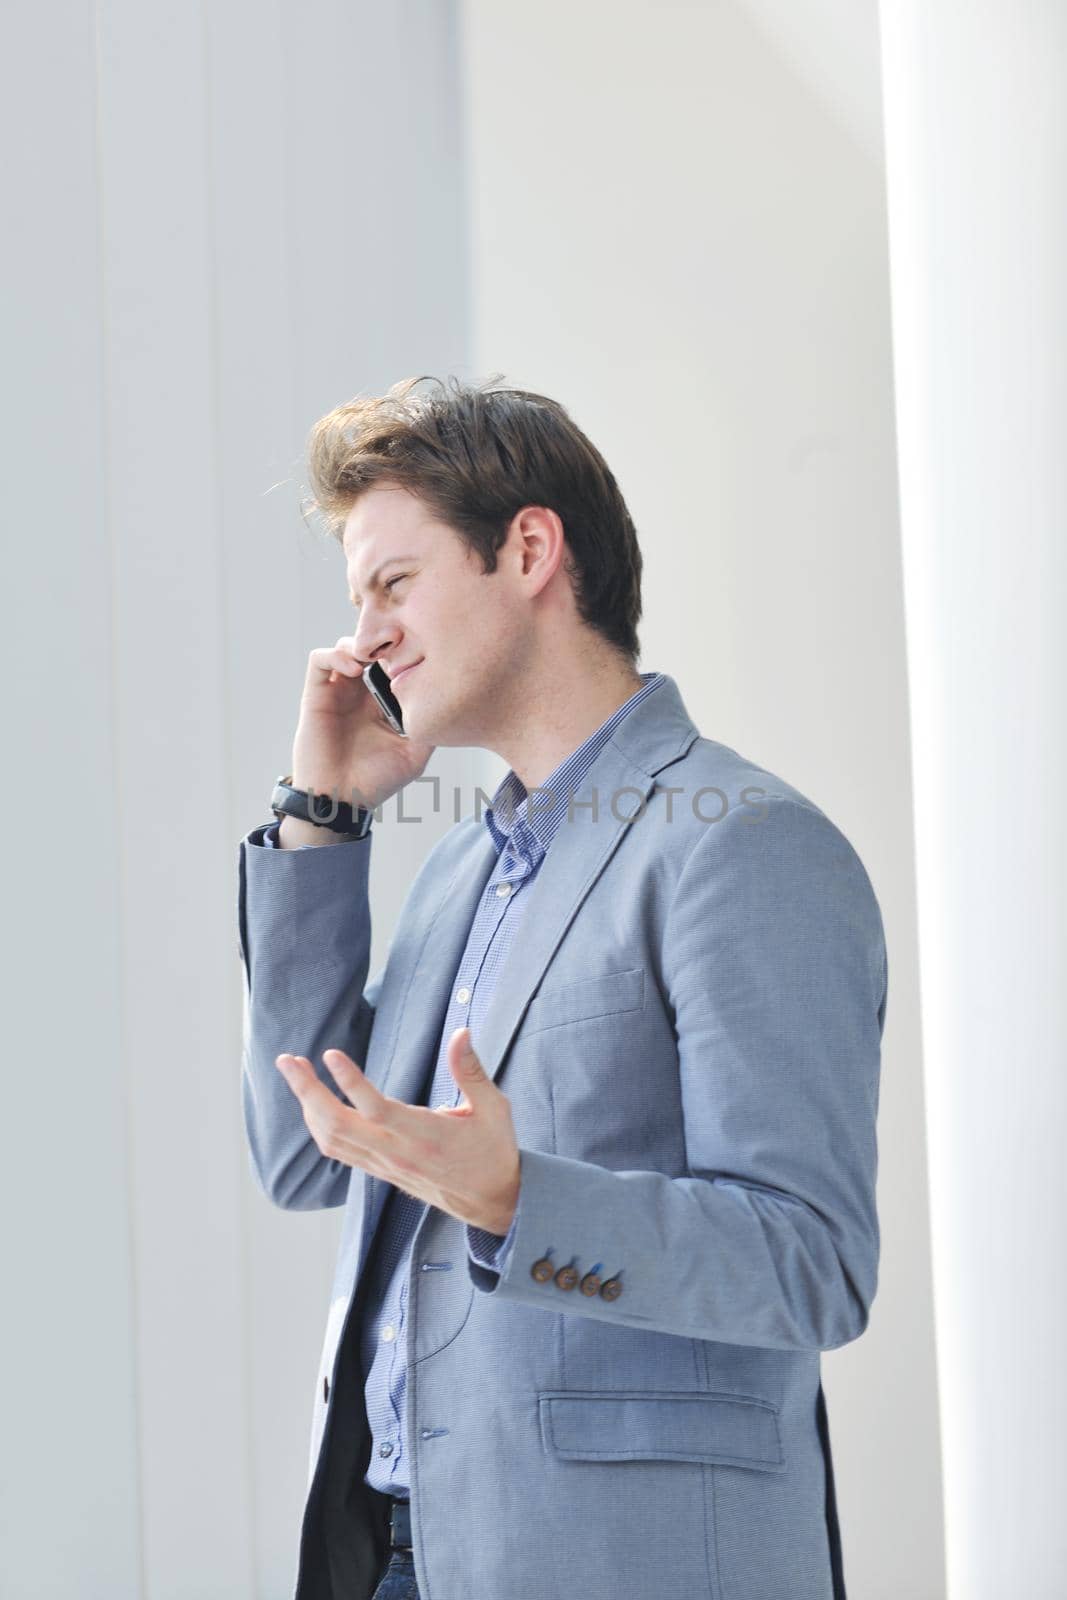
560	720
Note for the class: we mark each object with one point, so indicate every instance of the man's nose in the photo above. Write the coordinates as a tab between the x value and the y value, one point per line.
373	634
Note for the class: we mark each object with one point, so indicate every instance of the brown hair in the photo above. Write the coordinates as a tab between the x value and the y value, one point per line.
476	454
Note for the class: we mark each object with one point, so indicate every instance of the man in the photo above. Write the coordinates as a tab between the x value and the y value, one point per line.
604	1126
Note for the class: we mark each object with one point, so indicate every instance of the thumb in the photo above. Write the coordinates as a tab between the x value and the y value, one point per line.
463	1063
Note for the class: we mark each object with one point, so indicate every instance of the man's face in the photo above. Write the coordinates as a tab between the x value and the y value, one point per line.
425	599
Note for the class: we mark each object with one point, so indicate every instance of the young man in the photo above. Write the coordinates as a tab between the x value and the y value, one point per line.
604	1125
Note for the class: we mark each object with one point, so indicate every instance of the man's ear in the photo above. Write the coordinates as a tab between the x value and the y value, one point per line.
543	544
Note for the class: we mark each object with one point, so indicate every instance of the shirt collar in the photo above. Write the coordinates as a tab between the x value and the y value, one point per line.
526	824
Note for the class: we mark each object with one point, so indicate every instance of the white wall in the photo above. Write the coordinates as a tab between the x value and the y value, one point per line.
679	230
225	219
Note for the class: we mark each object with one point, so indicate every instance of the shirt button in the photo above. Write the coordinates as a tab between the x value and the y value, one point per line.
503	889
388	1332
385	1449
462	996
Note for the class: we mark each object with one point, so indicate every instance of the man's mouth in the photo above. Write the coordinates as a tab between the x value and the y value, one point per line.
394	681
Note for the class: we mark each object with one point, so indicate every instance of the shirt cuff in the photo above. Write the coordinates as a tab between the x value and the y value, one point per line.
267	836
491	1249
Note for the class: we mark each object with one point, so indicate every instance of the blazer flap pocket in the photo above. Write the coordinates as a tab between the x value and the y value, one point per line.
589	997
598	1425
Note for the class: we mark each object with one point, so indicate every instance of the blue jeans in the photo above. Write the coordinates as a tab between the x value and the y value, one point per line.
398	1580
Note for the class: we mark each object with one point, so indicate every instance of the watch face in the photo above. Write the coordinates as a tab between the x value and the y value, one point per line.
377	682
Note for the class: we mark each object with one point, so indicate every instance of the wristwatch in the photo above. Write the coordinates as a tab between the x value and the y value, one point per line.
321	809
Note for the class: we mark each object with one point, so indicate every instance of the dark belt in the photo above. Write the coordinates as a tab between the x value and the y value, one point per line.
399	1523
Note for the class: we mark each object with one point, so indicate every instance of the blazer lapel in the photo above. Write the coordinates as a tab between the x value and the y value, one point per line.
656	733
579	853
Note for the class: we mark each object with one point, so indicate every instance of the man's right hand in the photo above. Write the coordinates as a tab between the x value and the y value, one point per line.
343	742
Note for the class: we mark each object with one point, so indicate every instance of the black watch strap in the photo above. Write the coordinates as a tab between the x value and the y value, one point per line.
321	809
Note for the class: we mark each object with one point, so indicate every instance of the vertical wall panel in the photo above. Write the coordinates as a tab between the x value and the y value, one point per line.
976	143
162	441
339	267
69	1514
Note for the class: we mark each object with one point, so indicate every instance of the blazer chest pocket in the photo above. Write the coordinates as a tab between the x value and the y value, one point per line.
730	1430
605	996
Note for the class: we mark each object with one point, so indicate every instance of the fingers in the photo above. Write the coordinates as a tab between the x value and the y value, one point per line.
367	1101
335	1127
371	1104
338	661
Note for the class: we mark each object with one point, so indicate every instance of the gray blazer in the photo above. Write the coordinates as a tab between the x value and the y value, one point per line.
689	1035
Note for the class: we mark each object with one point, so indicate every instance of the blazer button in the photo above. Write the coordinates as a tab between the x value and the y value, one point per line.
610	1290
566	1277
590	1283
541	1270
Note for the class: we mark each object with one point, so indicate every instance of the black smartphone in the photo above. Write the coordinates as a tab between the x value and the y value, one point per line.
377	680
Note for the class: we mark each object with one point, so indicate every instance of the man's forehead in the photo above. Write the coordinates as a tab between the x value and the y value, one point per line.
379	510
377	520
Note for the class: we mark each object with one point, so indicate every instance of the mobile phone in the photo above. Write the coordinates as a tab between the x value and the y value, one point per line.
377	681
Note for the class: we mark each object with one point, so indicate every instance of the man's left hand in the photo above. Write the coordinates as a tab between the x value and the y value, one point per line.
463	1159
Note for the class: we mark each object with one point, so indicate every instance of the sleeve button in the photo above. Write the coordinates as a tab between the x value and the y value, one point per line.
566	1277
610	1290
541	1270
590	1283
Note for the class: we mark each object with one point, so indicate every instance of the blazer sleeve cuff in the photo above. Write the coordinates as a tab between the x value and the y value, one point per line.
543	1228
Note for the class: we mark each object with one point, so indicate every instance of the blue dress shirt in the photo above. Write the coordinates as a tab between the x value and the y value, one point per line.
522	829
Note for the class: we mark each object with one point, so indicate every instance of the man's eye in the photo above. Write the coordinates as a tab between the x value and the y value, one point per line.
386	586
